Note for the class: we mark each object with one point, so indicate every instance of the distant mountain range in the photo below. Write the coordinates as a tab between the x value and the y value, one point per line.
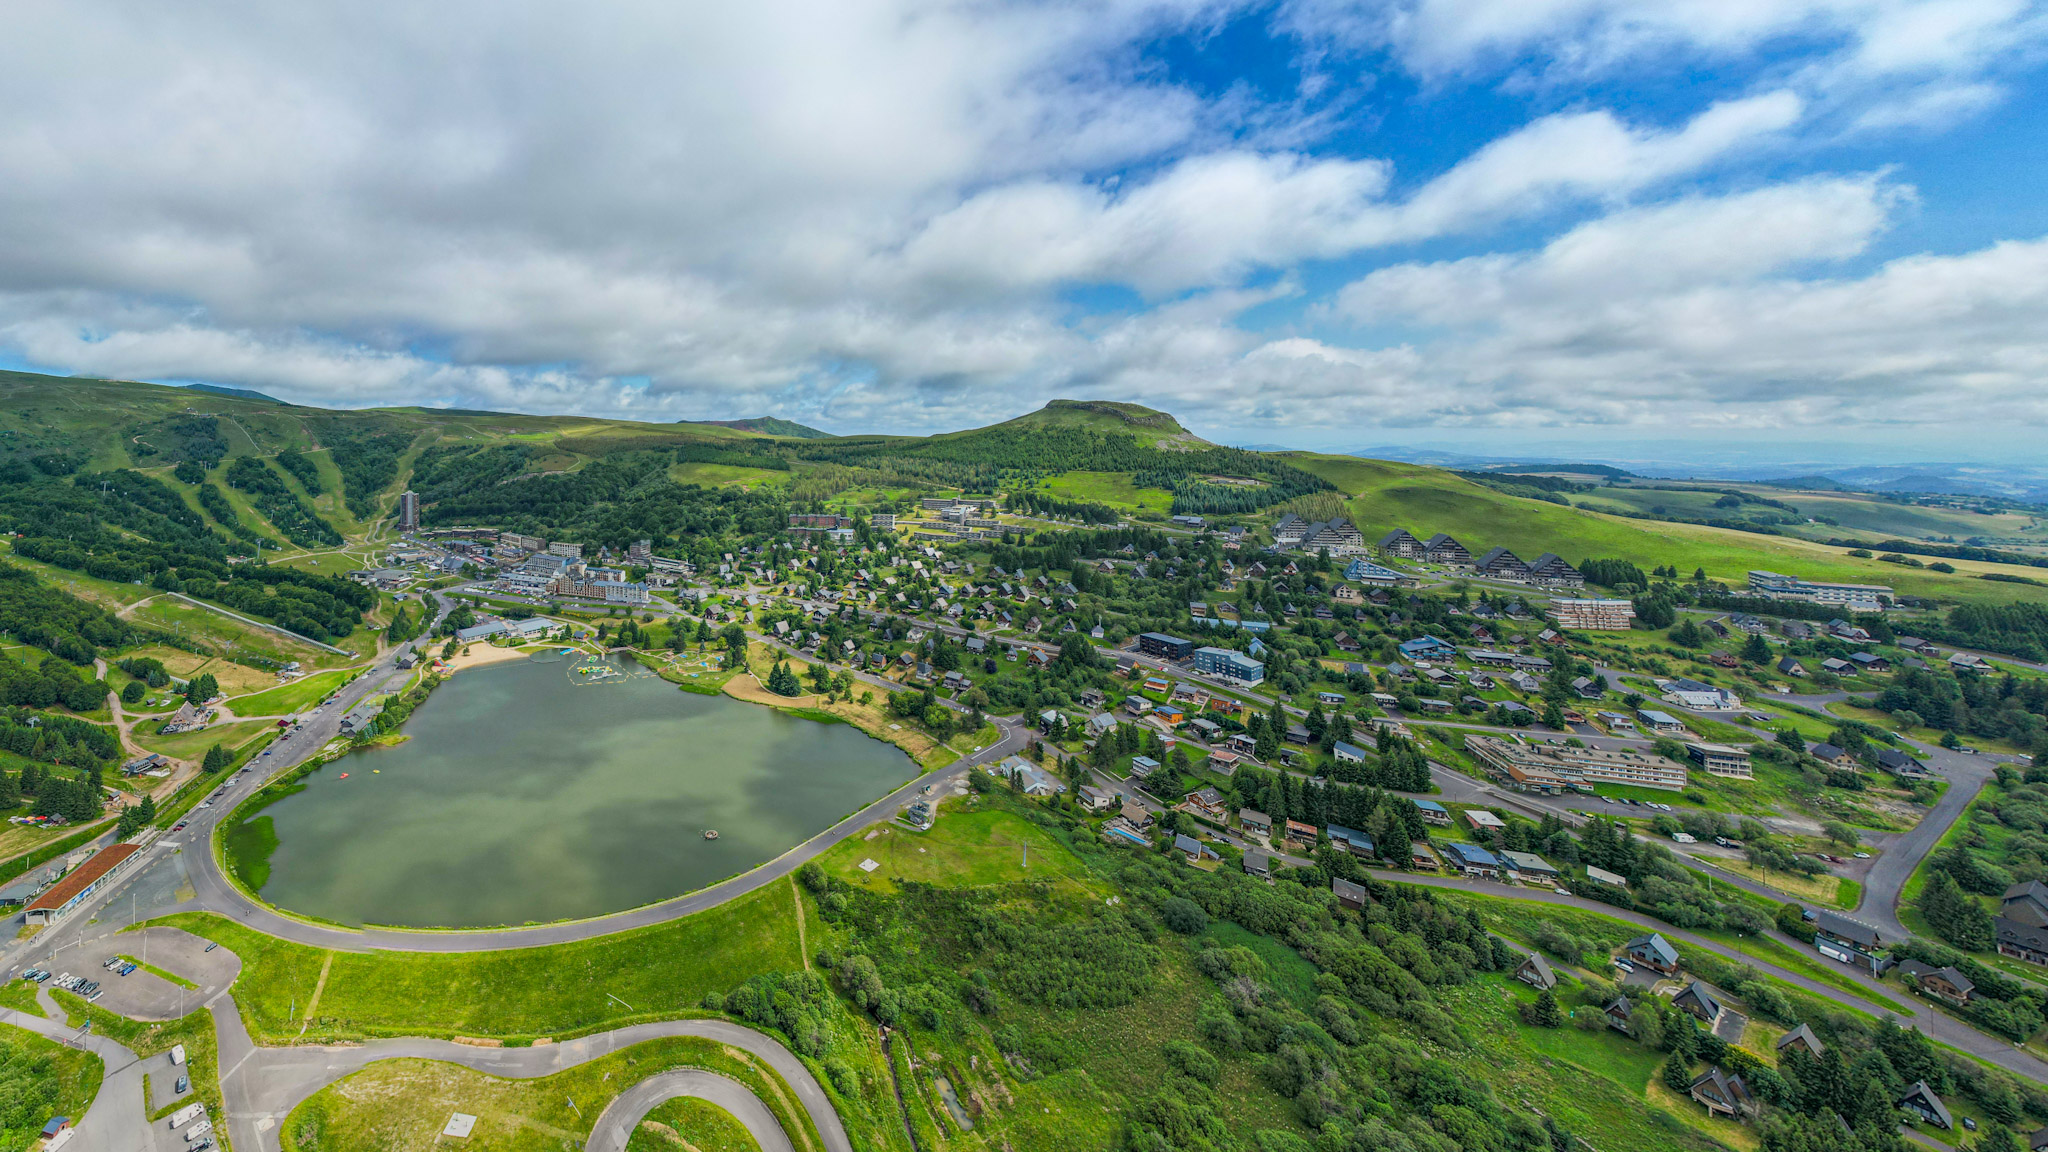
2012	481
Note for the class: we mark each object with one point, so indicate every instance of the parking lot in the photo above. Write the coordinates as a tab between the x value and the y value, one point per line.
142	995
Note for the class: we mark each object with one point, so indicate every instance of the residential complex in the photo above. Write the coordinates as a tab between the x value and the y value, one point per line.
1594	615
1720	759
1866	598
1229	665
1555	768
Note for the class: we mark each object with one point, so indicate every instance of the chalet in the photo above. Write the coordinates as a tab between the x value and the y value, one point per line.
2026	903
1242	743
1258	864
1347	753
1442	549
1922	1102
1699	1000
1423	858
1869	662
1101	724
1529	866
1587	688
1194	849
1400	543
1787	666
1603	876
1138	815
1535	972
1551	569
1349	894
1205	802
1900	764
1253	820
1834	666
1850	941
1948	985
1095	799
1655	952
1801	1039
1472	860
1224	763
1501	564
1722	1093
1830	754
1299	833
1137	706
1619	1013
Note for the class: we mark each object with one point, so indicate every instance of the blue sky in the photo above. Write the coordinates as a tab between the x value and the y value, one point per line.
1806	227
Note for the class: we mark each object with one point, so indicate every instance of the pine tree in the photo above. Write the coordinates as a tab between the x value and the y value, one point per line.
1678	1073
1756	650
217	758
1546	1014
1954	916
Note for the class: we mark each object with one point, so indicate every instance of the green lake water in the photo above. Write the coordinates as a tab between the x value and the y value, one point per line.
528	793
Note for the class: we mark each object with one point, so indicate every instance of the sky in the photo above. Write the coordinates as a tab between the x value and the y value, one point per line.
1807	225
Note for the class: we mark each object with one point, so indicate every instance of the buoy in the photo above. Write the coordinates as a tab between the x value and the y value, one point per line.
711	834
344	775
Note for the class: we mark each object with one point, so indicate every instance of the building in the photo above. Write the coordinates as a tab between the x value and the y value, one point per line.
1700	696
1254	821
1258	864
1603	876
1442	549
1619	1013
1472	860
1653	951
1400	543
1922	1102
1801	1039
482	631
1535	972
1552	768
1594	615
1230	665
1722	1093
1289	531
1347	753
1529	865
1351	840
1553	570
1837	937
566	550
1480	818
1700	1001
1864	598
1501	564
1366	572
1426	648
408	511
1661	723
1165	647
1349	894
66	894
1720	759
1433	813
817	522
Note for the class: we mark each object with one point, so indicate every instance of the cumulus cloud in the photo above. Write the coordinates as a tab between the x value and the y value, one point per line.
891	214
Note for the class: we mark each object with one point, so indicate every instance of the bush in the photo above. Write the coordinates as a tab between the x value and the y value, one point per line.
1183	915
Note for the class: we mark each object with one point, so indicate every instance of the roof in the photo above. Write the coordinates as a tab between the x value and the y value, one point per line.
1347	890
1930	1101
1473	855
1603	876
1728	1089
1841	927
1701	995
1803	1032
1253	816
1657	946
1545	977
1527	862
82	877
1187	844
1430	806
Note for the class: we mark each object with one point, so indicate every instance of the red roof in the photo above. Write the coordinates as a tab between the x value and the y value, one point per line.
82	877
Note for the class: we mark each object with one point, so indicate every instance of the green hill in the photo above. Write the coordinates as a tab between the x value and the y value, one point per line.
1148	425
771	426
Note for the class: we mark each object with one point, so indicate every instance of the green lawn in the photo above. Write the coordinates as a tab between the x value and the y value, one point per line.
559	990
965	848
286	699
193	745
699	1123
402	1104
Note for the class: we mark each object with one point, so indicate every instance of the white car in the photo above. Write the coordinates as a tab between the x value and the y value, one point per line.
1863	855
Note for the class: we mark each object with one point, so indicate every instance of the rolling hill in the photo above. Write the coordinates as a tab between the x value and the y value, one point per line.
771	426
1140	461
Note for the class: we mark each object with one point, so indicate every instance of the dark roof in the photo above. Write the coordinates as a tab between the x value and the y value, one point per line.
1825	751
1722	1086
1347	890
1702	997
1842	928
1622	1007
1803	1032
1657	946
1930	1101
1545	978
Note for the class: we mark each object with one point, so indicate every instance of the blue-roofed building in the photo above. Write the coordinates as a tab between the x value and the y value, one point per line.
1426	648
1195	850
1433	812
1230	665
1655	951
1472	860
1350	839
1367	572
1347	753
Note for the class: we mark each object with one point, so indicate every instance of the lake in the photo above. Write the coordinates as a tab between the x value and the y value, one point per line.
528	793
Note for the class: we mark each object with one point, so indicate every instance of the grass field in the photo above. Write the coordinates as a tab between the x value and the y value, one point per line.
77	1076
965	848
1821	889
188	620
286	699
401	1105
559	990
687	1122
718	475
1112	488
193	745
1387	495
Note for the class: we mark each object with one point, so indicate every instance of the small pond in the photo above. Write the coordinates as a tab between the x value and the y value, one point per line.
532	791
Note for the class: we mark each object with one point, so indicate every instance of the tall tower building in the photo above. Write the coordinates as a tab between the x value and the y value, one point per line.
408	511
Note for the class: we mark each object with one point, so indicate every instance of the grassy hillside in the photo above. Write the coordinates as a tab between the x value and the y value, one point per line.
1384	495
1148	425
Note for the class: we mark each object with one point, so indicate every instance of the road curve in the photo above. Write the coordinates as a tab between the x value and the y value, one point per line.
263	1085
615	1127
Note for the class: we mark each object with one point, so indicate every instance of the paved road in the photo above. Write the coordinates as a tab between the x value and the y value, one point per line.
262	1085
615	1127
115	1122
